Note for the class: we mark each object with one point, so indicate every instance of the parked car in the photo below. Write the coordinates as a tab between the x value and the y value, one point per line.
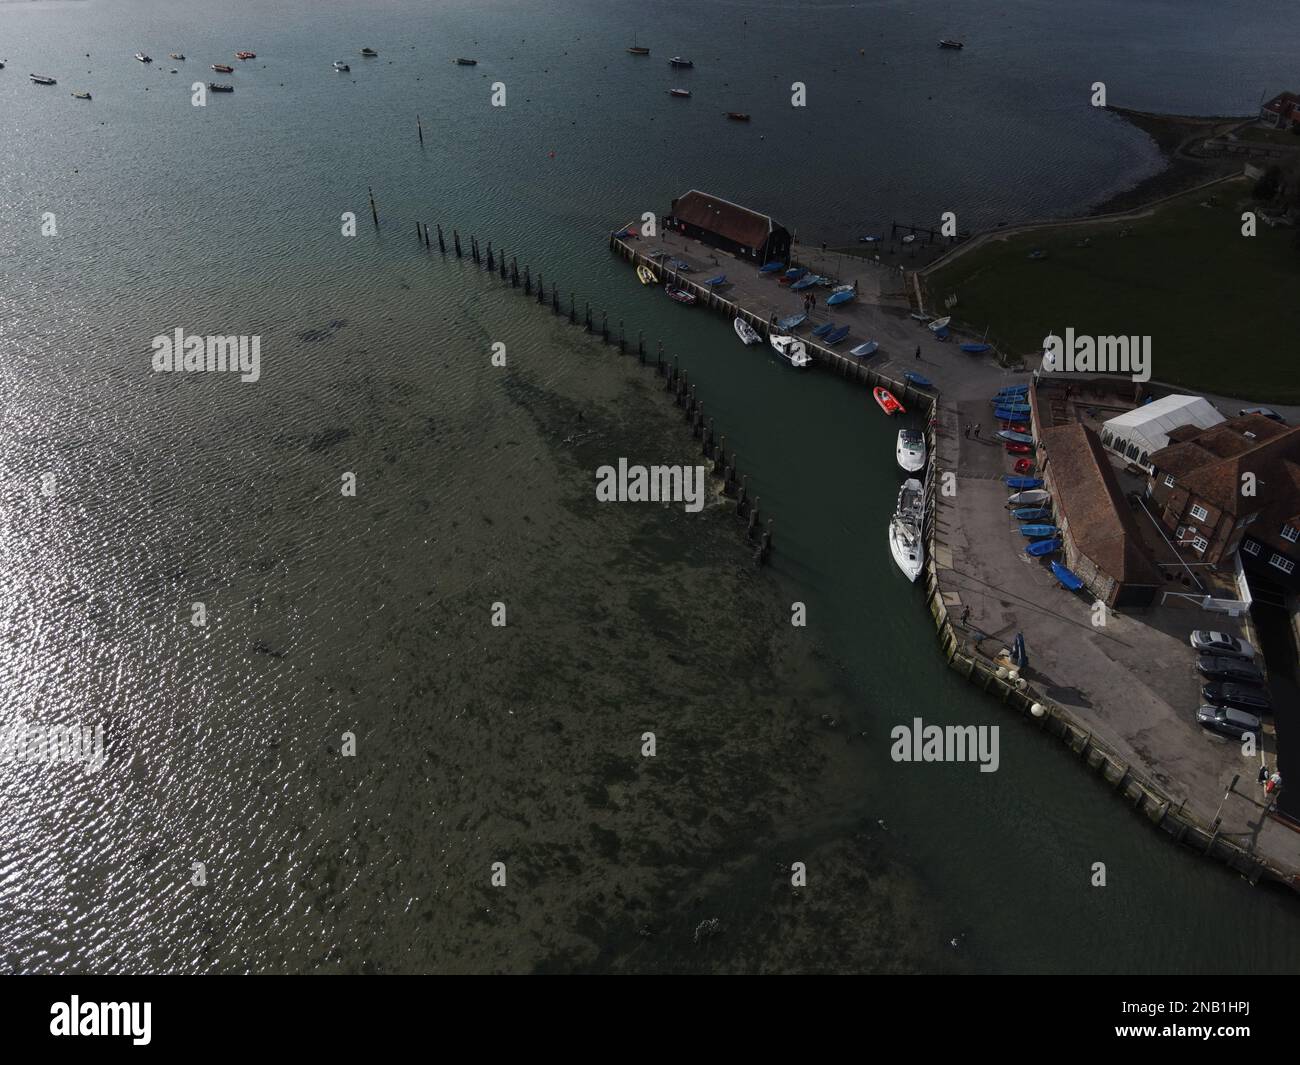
1222	667
1220	643
1238	696
1266	411
1227	721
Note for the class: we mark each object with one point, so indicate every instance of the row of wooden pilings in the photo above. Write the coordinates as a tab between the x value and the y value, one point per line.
713	446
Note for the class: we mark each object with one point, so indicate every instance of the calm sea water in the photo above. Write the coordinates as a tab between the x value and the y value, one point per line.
369	615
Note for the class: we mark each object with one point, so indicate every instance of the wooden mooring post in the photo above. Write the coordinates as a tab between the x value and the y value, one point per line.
442	244
374	211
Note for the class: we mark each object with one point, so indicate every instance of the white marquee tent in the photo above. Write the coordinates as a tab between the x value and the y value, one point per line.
1143	430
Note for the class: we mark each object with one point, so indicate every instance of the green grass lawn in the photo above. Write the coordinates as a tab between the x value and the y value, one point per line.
1222	310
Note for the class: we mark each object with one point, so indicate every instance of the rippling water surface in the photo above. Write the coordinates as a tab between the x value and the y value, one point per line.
129	496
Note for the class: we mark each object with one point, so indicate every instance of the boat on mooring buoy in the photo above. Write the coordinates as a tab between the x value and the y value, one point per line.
905	529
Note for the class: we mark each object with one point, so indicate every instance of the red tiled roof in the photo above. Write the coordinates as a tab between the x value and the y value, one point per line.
1210	464
1087	493
724	218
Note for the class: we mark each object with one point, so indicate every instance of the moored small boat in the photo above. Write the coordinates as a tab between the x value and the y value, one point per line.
793	321
42	79
340	66
770	268
836	298
1022	483
1037	530
836	335
748	335
646	275
939	323
141	57
81	95
1043	547
791	349
460	62
369	52
796	272
887	402
805	282
1068	578
681	93
1032	496
1015	437
1031	513
948	42
678	61
976	349
905	542
216	86
910	450
245	55
737	116
222	68
863	350
638	50
680	295
920	380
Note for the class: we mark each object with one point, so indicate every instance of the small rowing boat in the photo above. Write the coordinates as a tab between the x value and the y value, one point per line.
1034	495
791	349
836	298
1036	531
81	95
1031	513
737	116
141	57
948	42
245	55
466	62
720	279
680	295
794	321
1014	437
1043	547
805	282
1070	580
746	332
370	53
646	275
216	86
680	93
917	379
341	67
771	268
678	61
221	68
1019	449
41	79
175	55
976	349
822	330
885	399
796	272
1022	483
836	335
863	350
939	323
1024	467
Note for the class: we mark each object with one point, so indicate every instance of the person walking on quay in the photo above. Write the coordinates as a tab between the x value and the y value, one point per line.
1263	774
965	616
967	430
977	430
918	351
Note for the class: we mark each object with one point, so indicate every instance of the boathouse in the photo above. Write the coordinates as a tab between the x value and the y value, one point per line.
728	226
1102	542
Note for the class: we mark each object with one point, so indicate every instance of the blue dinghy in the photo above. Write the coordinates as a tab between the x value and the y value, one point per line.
839	297
796	272
976	349
836	335
719	280
1038	530
1043	547
863	350
1067	578
770	268
916	378
1014	437
1031	513
805	282
1012	390
1019	483
792	322
1010	414
822	330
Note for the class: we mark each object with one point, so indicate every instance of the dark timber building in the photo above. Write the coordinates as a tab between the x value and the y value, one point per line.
730	227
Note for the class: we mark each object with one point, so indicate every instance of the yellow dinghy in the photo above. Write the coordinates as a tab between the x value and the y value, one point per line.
646	275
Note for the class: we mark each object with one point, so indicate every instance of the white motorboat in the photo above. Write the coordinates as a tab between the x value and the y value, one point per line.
746	332
341	66
910	450
905	542
792	350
